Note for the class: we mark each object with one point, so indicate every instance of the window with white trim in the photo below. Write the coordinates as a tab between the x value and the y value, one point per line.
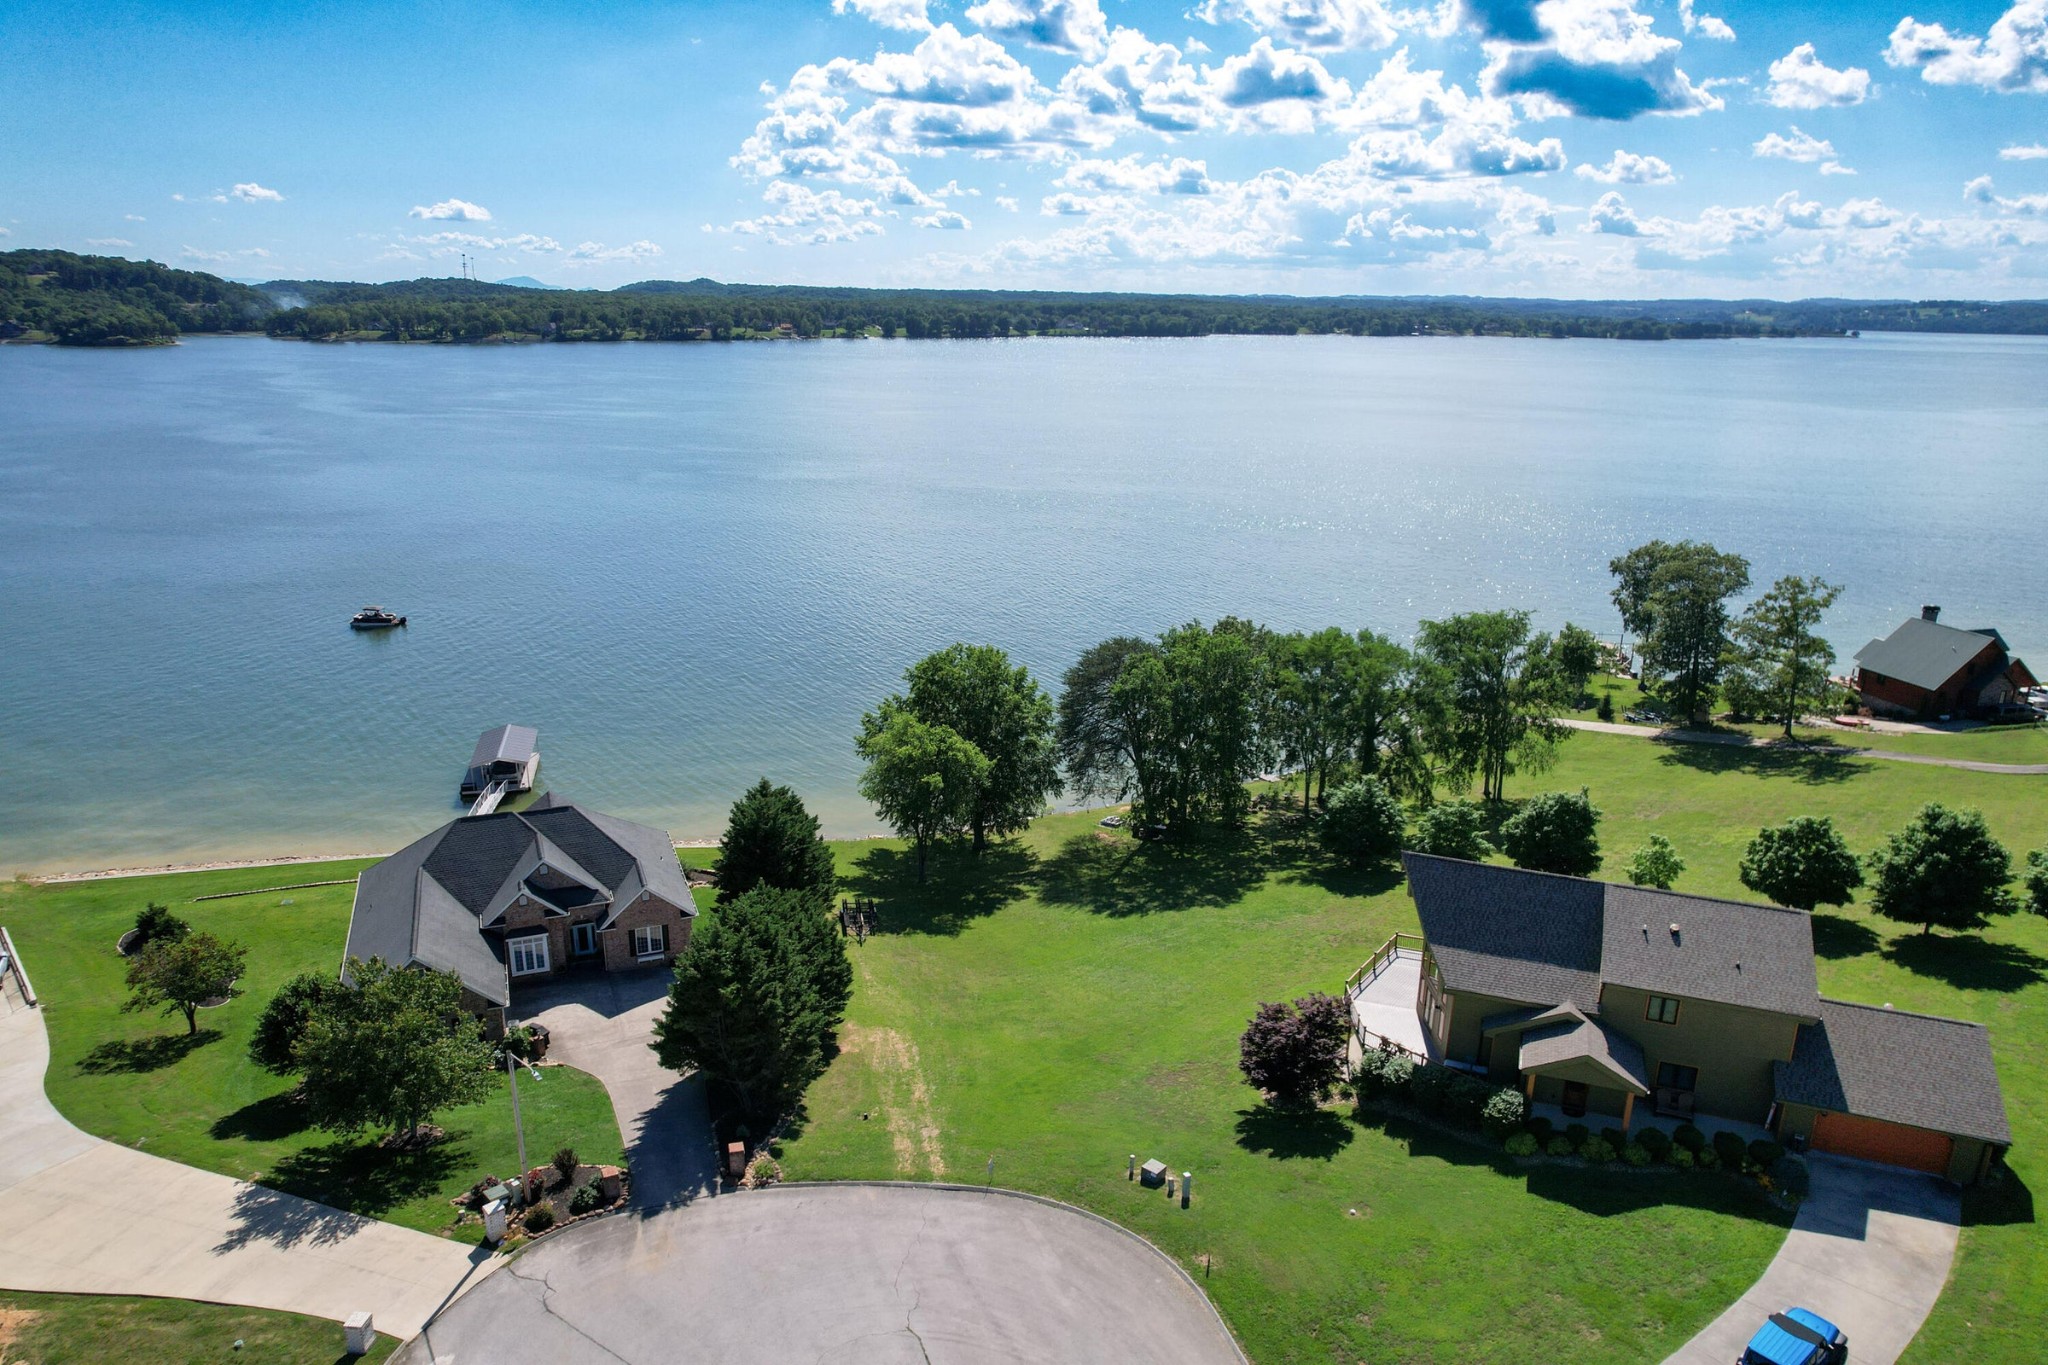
650	940
528	955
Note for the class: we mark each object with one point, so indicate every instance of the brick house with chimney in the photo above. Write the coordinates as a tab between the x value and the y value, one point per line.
1925	669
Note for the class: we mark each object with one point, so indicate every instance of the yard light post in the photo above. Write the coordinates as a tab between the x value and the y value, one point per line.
518	1124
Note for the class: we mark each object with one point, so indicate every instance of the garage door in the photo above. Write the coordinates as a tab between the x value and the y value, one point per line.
1894	1144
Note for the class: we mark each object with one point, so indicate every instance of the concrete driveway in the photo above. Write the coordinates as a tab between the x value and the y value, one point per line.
1870	1252
82	1216
837	1275
602	1022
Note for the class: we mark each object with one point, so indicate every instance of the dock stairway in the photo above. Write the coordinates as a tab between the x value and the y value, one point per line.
487	800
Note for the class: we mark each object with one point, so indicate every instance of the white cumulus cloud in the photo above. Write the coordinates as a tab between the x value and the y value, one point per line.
1801	147
108	241
252	193
2012	57
451	211
1980	191
1800	80
1320	25
906	15
1626	168
1706	25
1075	26
2034	151
944	218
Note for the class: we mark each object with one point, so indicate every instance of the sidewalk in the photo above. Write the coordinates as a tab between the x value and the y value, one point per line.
82	1216
1729	740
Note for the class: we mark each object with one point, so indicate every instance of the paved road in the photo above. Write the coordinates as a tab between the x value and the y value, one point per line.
1870	1252
1728	740
839	1275
82	1216
602	1022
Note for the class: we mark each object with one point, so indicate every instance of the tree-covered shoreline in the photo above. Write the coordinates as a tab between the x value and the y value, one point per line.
109	301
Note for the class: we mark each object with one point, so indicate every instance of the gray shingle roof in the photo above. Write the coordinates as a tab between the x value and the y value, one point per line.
431	901
506	744
1733	952
1542	938
1507	933
1587	1040
1906	1068
1925	653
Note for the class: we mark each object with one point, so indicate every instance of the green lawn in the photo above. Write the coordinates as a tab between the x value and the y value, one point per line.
1069	1001
138	1079
89	1329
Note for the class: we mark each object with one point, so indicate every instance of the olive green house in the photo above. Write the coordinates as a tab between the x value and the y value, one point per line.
1642	1005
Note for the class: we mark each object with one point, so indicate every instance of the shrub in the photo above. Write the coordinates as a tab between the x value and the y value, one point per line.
540	1218
1731	1149
1597	1150
1656	864
1467	1096
1706	1158
1614	1138
1453	829
1764	1153
1559	1146
1362	823
1689	1137
1429	1087
1521	1144
1606	709
1681	1157
1554	832
585	1200
1397	1071
1578	1133
1295	1053
1505	1109
565	1162
1655	1141
1790	1174
156	924
1541	1128
1635	1154
283	1021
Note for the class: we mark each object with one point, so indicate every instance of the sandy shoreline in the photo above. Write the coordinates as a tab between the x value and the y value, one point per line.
230	864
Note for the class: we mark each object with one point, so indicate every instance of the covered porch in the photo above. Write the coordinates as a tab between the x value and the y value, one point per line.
1575	1064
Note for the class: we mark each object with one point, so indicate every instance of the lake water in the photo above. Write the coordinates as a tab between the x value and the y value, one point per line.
694	565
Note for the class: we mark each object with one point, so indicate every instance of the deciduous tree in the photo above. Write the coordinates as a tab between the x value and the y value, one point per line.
770	837
1362	824
1492	698
1802	863
999	708
1656	864
179	974
922	778
1778	646
1555	832
1295	1053
275	1044
390	1049
1675	597
1943	869
1577	656
1101	745
1452	829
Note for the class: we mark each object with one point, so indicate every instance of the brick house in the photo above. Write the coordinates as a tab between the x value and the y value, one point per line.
1639	1004
1925	669
523	896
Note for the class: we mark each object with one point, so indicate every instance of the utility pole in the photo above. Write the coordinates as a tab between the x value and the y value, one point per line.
518	1124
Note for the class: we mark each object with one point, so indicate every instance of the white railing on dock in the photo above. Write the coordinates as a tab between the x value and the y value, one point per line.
487	800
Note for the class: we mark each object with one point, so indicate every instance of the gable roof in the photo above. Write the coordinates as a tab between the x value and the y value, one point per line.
1541	938
430	902
506	744
1615	1058
1925	653
1535	938
1907	1068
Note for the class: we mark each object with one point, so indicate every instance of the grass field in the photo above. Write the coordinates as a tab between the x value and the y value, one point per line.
1067	1001
86	1329
138	1079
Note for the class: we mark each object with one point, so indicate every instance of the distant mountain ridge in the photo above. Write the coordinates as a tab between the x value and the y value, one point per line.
105	300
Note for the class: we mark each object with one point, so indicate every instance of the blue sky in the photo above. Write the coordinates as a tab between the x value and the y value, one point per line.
1609	148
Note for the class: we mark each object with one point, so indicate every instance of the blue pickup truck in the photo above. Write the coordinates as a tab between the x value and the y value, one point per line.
1797	1336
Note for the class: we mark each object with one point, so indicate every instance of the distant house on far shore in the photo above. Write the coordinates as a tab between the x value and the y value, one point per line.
1925	669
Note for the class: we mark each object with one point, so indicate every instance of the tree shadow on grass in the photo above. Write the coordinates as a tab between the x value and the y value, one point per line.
363	1177
1286	1133
1119	876
134	1056
1813	767
960	887
1967	962
265	1120
1836	936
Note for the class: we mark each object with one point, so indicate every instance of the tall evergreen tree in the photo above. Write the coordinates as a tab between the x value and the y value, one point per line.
770	837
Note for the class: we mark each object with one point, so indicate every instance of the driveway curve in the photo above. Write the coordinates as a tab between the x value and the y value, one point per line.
839	1275
83	1216
1870	1252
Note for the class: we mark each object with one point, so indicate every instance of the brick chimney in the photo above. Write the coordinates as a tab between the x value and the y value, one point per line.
1930	613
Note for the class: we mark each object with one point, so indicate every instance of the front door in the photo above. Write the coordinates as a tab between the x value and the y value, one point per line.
583	940
1574	1104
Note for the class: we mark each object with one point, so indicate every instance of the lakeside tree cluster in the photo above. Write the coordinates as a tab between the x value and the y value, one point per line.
107	300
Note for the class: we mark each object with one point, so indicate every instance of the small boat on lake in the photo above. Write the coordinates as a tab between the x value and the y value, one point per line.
374	618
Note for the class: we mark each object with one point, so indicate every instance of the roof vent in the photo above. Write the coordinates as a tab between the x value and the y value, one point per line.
1930	613
1674	928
